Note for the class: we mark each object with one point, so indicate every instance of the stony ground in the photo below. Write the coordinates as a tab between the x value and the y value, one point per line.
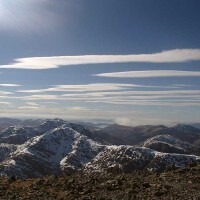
175	184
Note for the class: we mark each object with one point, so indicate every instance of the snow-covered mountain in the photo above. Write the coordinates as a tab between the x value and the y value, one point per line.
169	144
128	158
57	146
61	148
6	150
17	134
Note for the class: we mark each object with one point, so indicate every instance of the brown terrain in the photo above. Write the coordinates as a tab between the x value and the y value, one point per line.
172	184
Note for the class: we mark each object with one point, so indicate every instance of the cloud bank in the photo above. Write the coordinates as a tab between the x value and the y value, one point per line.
169	56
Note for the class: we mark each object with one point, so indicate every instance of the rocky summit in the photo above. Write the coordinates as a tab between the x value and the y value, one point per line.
172	184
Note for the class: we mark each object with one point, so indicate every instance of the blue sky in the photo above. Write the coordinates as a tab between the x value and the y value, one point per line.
132	62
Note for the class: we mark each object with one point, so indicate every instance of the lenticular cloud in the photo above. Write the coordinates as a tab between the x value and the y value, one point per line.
176	55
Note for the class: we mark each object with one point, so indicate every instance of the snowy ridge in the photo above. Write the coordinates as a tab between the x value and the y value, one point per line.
50	124
6	150
83	151
167	143
129	158
17	134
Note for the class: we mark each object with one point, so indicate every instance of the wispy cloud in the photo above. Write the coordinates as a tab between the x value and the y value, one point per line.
5	103
150	94
5	93
101	104
86	88
150	73
49	102
176	55
148	103
93	87
32	104
149	98
182	85
40	97
81	109
29	107
10	85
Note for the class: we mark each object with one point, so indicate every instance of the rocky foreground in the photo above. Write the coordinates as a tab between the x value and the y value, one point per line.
174	184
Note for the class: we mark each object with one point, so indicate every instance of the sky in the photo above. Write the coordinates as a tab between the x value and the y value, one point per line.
130	62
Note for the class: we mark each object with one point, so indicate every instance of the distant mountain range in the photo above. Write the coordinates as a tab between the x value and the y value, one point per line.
57	146
7	122
196	125
118	134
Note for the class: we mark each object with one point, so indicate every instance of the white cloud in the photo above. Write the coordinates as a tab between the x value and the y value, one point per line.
152	92
149	98
182	85
5	93
176	55
49	102
150	73
81	109
147	103
32	104
123	121
92	87
10	85
5	103
84	88
91	96
40	97
29	107
138	94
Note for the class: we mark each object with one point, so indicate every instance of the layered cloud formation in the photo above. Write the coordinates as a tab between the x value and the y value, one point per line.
98	100
103	99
